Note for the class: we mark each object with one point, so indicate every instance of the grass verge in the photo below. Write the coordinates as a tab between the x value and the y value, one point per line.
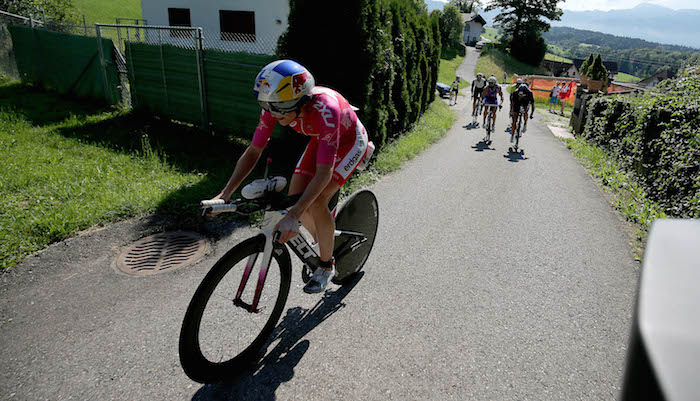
495	62
627	196
432	126
68	166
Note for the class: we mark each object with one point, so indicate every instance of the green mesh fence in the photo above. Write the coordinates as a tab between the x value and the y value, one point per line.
164	79
229	83
69	64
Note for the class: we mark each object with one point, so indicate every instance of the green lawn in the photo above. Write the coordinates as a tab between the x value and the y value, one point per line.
554	57
69	165
495	62
106	11
623	77
491	33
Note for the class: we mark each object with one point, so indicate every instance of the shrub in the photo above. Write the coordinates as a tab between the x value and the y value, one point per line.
597	71
586	65
657	138
388	63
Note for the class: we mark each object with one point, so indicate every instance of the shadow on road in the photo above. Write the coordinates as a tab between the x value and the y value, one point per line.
514	156
260	381
471	126
482	146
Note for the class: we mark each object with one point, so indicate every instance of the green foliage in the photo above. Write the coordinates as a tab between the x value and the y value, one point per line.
530	48
388	66
597	71
466	6
451	26
63	11
523	22
657	138
585	67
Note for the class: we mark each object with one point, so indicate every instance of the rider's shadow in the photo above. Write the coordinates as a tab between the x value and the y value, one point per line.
471	126
514	156
482	146
261	380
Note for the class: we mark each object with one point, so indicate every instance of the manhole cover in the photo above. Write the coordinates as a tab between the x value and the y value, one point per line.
162	253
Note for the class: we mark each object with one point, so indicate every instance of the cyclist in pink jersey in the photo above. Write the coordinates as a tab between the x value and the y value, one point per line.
338	142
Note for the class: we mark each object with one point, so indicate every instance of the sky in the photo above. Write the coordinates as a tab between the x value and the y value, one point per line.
605	5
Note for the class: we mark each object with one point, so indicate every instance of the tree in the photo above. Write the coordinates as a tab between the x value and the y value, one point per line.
54	10
523	23
586	65
466	6
451	26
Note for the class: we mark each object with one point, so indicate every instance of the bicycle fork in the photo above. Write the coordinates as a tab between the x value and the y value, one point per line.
269	223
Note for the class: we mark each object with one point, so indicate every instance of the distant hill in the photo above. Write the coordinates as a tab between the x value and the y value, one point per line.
646	21
634	56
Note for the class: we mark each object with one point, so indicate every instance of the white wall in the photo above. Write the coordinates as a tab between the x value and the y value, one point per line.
474	32
205	14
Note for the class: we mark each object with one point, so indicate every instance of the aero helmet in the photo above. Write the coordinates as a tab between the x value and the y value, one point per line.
283	86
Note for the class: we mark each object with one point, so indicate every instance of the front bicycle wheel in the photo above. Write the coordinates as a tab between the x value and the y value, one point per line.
360	214
220	336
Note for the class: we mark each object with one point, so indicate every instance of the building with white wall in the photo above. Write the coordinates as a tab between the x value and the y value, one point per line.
235	25
473	27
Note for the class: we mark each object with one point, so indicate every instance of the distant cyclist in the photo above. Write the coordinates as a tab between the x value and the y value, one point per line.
477	88
491	93
521	97
454	88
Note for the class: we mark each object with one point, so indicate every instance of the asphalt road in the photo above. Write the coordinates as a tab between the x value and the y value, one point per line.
495	276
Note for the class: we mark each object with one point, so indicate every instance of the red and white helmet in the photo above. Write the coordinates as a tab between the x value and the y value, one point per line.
283	86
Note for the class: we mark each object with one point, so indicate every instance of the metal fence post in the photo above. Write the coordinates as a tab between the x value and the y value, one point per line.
162	71
202	79
119	36
103	63
130	66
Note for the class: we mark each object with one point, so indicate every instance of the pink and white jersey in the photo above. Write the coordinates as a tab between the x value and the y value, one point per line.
327	118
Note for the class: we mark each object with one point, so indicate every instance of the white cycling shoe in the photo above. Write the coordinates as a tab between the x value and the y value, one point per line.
319	280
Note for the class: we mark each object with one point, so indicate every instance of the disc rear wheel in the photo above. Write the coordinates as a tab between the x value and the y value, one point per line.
359	214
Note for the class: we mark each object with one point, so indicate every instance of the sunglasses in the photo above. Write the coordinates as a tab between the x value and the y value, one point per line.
279	108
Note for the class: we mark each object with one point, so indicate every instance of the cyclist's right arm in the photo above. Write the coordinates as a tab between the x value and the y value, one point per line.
244	166
250	157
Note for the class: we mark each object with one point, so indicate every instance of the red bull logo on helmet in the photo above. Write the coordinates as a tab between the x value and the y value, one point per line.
299	82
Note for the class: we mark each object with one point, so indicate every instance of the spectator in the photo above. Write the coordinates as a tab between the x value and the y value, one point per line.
561	101
505	77
554	96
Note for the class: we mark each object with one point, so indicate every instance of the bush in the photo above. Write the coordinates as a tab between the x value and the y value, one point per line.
597	71
657	138
388	63
586	65
530	49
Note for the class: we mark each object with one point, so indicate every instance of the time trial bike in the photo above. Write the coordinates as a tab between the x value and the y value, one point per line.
229	320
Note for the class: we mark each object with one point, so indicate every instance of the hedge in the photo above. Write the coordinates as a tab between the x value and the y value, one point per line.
382	55
657	137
